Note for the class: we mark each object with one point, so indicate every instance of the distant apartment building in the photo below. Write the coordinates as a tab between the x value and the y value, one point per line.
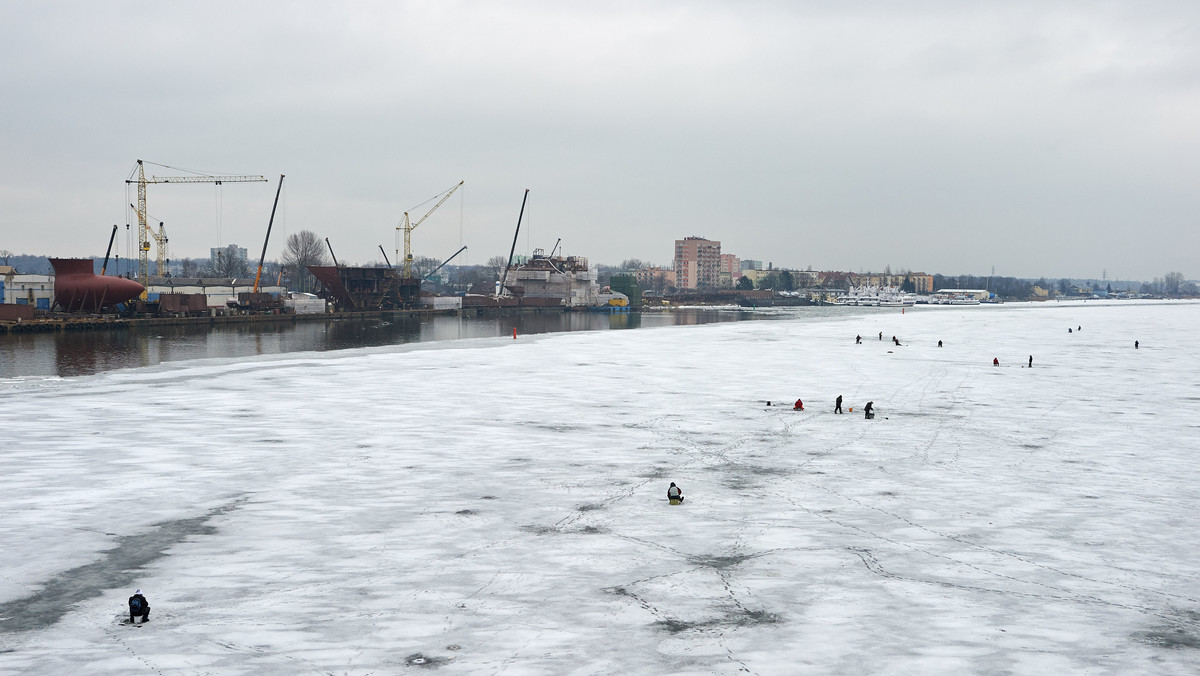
731	269
750	264
697	263
922	283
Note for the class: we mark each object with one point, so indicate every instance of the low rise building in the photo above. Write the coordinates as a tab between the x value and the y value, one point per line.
33	290
655	278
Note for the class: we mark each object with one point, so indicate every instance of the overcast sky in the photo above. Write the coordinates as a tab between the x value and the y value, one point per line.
1056	139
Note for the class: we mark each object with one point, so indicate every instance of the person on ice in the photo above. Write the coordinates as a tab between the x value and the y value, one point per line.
799	406
1030	361
837	404
1135	345
675	494
870	410
939	343
858	340
896	341
138	607
995	361
881	335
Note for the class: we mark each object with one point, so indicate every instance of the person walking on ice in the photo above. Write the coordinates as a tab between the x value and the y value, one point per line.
675	494
837	404
138	607
1030	361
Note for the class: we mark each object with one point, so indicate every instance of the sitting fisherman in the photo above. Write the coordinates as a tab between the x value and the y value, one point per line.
675	494
799	406
138	607
870	410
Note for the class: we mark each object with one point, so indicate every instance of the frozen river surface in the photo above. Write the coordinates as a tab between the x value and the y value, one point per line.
497	506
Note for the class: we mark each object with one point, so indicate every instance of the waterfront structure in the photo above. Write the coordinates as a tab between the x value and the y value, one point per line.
697	263
567	281
975	294
218	292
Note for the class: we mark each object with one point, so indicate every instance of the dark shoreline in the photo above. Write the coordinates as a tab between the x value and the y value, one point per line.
113	323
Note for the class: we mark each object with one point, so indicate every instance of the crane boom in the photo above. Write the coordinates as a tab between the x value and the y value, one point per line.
408	227
144	233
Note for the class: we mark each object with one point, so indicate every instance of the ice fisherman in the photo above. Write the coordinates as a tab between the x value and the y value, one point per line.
1135	345
799	406
869	411
858	340
837	404
139	607
995	361
939	343
675	492
896	341
1030	361
881	335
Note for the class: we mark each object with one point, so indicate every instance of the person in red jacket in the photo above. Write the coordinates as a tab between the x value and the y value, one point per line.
995	361
799	406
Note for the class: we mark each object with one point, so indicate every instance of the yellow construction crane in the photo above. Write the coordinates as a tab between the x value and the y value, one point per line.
160	238
408	227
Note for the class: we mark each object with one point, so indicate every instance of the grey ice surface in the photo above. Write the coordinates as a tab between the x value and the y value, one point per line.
501	509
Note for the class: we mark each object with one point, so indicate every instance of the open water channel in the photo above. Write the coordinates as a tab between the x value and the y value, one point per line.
86	352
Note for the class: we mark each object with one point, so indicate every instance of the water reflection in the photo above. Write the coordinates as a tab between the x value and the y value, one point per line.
87	352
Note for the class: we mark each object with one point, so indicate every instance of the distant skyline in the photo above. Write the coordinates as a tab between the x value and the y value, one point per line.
1041	139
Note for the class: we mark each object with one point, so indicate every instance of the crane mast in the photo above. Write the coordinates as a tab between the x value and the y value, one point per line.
160	238
408	227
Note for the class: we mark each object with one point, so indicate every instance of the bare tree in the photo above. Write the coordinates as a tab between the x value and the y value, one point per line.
1172	282
423	265
229	263
5	254
303	249
497	263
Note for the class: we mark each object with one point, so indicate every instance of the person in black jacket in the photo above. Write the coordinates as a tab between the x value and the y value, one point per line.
138	607
675	492
869	410
837	404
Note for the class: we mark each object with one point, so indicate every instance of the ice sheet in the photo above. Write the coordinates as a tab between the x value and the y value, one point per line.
498	506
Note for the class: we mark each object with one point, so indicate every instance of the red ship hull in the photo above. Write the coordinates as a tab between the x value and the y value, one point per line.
77	288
